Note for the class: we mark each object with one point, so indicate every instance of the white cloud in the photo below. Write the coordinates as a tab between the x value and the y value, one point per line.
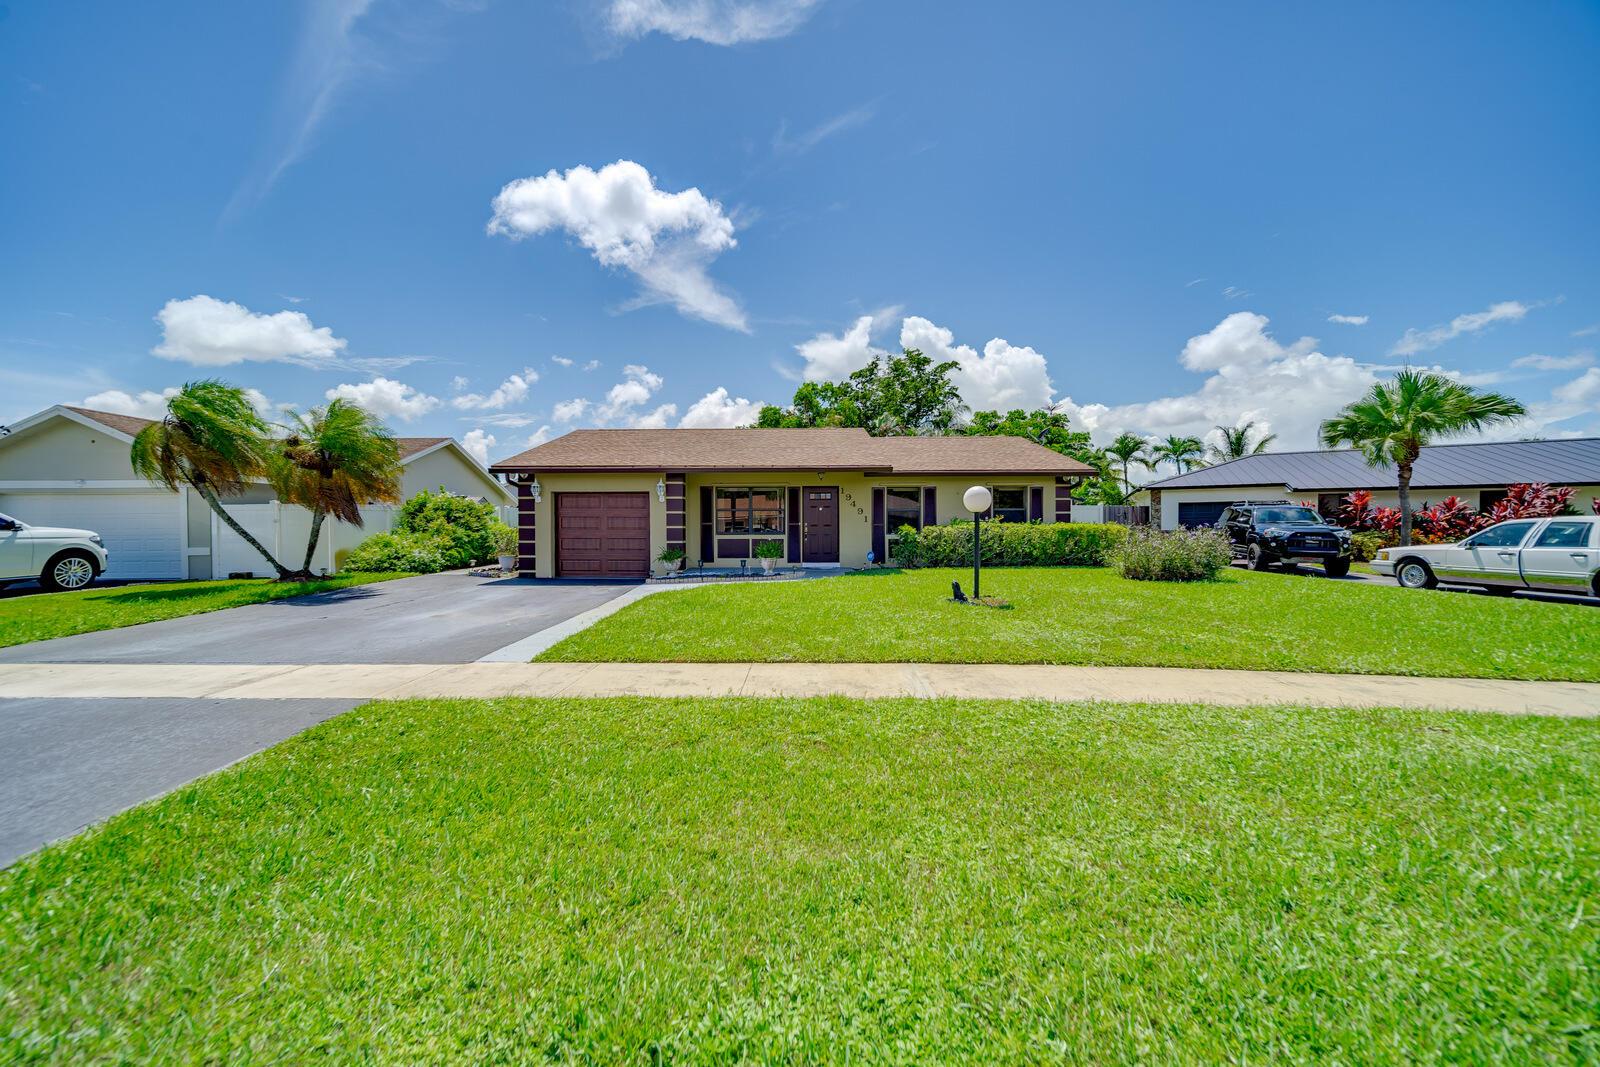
655	420
638	385
666	240
830	357
1583	390
1349	320
1587	331
593	364
799	144
477	444
720	22
1538	362
1005	376
511	391
717	409
459	382
538	437
387	398
561	361
570	410
509	419
147	404
208	332
1416	341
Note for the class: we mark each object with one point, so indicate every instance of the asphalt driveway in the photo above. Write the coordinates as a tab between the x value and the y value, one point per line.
68	763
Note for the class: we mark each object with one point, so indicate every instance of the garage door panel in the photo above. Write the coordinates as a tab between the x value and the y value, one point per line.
1200	513
602	535
142	531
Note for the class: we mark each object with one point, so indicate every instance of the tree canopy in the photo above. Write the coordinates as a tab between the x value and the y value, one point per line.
904	394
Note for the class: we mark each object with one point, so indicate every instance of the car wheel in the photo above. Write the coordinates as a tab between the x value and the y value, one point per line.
1259	560
68	571
1336	568
1415	574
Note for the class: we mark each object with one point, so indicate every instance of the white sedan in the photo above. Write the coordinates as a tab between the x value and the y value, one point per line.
1556	555
59	558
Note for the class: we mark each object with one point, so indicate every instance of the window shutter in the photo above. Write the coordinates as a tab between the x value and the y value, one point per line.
708	521
930	505
1036	503
877	524
794	524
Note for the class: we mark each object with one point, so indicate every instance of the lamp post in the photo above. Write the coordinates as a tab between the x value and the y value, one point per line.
977	500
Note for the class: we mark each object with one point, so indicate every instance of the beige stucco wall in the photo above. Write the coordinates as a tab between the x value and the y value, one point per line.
446	467
61	450
1420	498
855	505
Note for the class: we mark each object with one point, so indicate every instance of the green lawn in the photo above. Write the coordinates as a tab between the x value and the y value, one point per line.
901	881
1093	616
44	615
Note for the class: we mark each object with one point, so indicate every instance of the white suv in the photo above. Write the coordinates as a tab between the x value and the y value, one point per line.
59	558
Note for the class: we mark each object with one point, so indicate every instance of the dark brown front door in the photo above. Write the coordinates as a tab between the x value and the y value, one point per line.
603	535
820	527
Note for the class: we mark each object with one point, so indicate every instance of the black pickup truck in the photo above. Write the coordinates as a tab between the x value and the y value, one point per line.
1281	532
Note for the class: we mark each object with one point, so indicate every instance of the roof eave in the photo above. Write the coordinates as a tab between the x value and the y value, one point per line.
547	468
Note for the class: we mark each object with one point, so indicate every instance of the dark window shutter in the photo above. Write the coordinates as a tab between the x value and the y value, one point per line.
930	505
794	524
1036	503
708	519
877	525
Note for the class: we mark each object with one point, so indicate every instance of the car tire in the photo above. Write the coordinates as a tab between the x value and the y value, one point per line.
1414	574
68	571
1259	560
1336	568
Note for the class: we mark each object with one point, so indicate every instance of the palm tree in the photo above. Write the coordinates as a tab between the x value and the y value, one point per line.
1128	449
333	460
1182	452
1393	422
1236	442
212	440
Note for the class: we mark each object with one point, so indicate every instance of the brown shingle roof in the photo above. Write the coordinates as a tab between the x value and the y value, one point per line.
128	424
777	450
410	446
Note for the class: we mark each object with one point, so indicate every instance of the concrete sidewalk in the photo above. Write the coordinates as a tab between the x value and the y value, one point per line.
996	681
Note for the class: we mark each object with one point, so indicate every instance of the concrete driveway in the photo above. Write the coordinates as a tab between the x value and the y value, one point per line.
68	763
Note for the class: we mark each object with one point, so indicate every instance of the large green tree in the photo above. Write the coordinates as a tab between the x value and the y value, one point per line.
904	394
1128	449
213	441
1236	442
1044	426
333	460
1184	453
1394	421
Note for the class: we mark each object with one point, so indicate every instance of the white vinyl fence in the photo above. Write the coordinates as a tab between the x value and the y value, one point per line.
283	530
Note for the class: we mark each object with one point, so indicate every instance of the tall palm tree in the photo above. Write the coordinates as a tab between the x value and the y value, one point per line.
1128	449
333	460
1236	442
1182	452
1393	422
212	440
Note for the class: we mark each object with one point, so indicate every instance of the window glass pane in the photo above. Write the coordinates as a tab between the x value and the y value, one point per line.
1011	504
1564	535
733	511
904	508
747	511
1506	535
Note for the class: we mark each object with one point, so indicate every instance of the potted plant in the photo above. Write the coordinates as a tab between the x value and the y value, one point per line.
671	559
505	544
769	553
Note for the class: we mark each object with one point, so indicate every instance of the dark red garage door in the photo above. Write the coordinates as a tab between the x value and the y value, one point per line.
603	535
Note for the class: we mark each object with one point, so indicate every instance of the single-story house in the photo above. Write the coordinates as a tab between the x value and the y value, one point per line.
605	503
1477	473
68	466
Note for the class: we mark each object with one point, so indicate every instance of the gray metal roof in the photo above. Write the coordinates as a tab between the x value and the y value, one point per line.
1573	461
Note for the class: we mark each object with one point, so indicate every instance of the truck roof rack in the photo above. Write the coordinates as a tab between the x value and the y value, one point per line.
1257	503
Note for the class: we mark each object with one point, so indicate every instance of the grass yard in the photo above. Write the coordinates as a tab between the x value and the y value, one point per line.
1093	616
802	881
45	615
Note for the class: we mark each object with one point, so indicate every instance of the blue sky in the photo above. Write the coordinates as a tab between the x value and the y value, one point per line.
501	220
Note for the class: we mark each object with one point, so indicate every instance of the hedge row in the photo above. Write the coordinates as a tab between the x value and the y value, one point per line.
1010	544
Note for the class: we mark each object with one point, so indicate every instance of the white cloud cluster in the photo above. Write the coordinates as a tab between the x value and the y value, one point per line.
561	361
477	444
513	390
623	400
664	239
719	22
1583	391
208	332
830	357
1416	340
570	410
1538	362
1349	320
386	398
1002	377
149	404
719	410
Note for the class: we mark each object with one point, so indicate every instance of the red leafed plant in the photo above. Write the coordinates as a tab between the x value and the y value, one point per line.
1527	500
1385	519
1356	511
1450	519
1594	505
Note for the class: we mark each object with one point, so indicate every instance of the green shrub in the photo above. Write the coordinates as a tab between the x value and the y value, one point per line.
1009	544
769	549
1364	546
1179	556
504	538
418	553
464	526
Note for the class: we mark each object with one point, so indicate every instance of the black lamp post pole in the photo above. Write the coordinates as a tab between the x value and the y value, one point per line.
977	536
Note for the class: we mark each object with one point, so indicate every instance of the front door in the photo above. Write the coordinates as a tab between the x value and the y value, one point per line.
820	524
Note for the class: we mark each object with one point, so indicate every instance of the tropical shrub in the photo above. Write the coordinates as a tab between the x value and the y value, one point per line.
418	553
768	549
1149	555
505	539
1365	544
463	525
1532	500
1009	544
1450	519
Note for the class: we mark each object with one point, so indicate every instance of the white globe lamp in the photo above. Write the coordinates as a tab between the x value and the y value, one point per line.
977	499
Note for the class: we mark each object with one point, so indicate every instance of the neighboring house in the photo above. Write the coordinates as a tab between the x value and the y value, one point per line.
604	503
1477	473
68	466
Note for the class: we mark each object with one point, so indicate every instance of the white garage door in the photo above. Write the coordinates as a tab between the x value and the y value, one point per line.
141	529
